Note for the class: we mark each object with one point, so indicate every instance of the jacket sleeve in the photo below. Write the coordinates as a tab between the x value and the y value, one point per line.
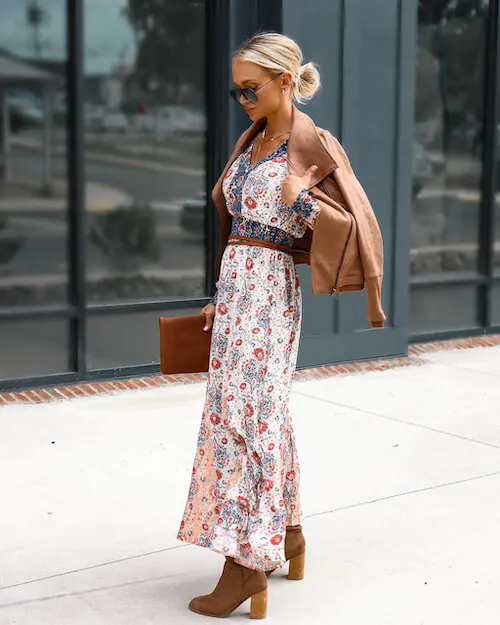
369	234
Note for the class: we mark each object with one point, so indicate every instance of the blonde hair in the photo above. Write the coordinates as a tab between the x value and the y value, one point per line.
278	53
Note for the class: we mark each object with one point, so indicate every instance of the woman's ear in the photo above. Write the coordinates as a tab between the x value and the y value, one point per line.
286	80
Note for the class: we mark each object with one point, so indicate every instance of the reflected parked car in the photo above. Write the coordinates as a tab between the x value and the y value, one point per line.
184	119
114	121
100	119
169	120
193	215
93	115
28	110
426	165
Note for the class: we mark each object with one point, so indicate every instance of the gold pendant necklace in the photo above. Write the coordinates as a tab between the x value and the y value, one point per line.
273	138
263	138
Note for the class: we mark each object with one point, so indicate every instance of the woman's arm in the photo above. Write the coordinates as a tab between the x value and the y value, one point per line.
306	209
294	192
213	299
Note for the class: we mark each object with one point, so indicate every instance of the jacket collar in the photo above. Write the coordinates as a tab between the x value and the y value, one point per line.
305	149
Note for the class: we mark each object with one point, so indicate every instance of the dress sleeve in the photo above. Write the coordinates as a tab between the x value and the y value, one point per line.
306	208
213	299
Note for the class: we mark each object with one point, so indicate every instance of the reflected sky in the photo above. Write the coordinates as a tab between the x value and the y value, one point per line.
108	35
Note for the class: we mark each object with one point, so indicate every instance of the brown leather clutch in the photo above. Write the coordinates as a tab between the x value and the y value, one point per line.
184	345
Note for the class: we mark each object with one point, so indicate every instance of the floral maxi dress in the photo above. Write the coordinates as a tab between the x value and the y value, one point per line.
244	489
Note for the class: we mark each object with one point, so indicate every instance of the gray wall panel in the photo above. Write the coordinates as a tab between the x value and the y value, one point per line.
350	82
361	345
321	42
318	311
370	97
243	23
403	163
319	35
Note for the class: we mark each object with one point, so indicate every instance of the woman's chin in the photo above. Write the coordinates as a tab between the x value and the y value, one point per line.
253	114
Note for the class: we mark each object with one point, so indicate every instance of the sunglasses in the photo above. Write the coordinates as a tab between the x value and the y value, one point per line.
250	93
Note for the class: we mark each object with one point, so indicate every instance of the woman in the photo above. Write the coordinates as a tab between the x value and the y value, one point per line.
244	498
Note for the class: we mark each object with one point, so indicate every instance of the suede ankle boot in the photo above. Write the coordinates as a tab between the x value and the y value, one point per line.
236	585
295	552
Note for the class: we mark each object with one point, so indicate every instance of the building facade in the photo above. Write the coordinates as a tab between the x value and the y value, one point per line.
115	122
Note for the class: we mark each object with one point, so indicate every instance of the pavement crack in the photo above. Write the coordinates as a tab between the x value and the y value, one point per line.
409	492
412	423
90	568
88	591
469	370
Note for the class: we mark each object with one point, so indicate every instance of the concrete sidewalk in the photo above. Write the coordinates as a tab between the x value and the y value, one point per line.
401	492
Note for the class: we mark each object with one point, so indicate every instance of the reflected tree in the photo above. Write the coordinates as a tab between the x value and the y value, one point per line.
127	236
9	243
168	35
36	16
433	11
450	69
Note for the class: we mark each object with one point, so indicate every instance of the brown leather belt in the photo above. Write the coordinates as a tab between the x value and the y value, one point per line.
237	240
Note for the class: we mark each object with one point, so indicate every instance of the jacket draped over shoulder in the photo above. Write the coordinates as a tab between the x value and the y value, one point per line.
345	249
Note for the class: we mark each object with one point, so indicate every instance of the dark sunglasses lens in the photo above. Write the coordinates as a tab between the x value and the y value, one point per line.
250	95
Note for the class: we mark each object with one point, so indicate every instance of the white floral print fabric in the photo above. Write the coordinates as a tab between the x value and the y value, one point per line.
244	489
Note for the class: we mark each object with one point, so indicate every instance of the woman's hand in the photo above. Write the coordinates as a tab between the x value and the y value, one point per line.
293	185
209	312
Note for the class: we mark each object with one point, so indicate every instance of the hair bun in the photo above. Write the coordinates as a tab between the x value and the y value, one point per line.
307	83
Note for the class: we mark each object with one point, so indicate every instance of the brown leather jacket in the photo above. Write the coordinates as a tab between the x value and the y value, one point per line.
345	249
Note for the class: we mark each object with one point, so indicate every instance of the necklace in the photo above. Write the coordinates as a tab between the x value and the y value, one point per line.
263	139
273	138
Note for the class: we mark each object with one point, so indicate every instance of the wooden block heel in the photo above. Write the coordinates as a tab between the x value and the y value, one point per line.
258	605
296	567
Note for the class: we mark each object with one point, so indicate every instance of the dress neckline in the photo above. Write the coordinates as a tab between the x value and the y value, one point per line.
249	151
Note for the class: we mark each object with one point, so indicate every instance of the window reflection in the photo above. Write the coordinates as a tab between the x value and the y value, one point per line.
33	139
107	349
145	149
447	163
34	347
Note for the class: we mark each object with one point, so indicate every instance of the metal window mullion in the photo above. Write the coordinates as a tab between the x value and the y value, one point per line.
490	154
36	313
147	306
76	180
51	380
447	279
217	111
448	335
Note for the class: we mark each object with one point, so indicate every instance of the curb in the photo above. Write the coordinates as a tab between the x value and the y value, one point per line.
132	163
89	389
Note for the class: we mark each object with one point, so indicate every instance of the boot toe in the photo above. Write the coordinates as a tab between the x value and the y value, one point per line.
199	604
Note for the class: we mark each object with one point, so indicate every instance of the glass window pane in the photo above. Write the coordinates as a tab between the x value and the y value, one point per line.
145	146
126	339
440	308
33	162
496	251
449	117
496	248
496	304
33	348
